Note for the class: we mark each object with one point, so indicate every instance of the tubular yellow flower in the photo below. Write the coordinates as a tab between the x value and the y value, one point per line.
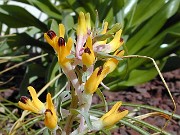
64	51
83	30
51	38
95	79
35	105
113	116
115	43
50	114
88	56
82	27
112	62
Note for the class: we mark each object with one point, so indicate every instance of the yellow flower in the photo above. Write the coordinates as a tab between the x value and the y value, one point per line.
113	116
64	51
88	56
51	38
83	30
50	114
113	62
59	44
116	42
95	79
34	105
82	26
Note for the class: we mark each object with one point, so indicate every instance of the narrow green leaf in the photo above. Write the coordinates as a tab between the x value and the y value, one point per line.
33	72
48	8
147	125
151	28
150	6
53	25
135	77
162	45
135	127
10	14
19	40
68	21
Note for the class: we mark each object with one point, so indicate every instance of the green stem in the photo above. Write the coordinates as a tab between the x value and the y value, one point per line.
70	118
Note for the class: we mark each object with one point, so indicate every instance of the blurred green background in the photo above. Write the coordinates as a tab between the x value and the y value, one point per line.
150	28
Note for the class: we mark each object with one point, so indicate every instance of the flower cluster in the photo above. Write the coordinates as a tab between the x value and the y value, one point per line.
86	51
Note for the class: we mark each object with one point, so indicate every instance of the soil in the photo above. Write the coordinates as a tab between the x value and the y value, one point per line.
154	94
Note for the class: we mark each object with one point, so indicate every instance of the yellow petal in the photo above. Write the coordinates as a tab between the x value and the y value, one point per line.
37	103
105	28
95	79
29	107
82	27
61	30
64	51
50	105
51	38
113	110
69	45
116	42
88	56
88	21
113	62
49	120
114	118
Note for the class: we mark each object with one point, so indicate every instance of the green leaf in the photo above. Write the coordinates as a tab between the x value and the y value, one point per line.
48	8
135	77
53	25
162	45
150	6
16	17
151	28
53	70
135	127
129	6
19	40
33	72
68	22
